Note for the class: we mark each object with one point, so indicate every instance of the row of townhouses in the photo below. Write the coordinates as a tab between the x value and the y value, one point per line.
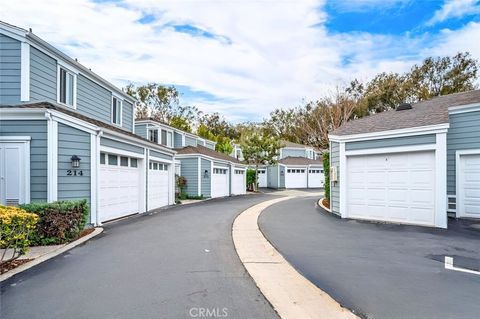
298	166
67	133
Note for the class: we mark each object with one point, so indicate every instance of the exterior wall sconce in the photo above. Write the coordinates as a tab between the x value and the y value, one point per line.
205	174
75	161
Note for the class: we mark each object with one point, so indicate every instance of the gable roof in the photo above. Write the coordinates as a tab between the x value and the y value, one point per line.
291	160
188	150
294	145
424	113
65	110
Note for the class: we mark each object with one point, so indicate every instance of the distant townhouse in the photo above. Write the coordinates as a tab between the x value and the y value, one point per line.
208	173
67	133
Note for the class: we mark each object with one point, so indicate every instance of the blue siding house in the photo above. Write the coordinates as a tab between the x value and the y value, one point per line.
208	173
417	164
67	133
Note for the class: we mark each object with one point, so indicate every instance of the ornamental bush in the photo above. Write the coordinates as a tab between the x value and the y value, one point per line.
15	227
326	172
251	180
60	222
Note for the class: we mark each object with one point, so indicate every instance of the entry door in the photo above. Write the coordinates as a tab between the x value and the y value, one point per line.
262	178
13	171
469	186
392	187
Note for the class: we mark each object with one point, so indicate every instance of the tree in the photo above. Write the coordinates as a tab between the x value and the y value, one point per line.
162	103
282	123
219	126
258	149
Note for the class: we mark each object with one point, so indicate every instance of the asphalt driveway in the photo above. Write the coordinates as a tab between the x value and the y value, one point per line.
171	264
379	270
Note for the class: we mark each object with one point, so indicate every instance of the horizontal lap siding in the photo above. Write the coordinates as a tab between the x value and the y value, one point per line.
391	142
177	140
43	77
220	164
190	141
72	141
121	146
206	181
161	155
463	134
210	145
272	176
94	100
10	57
189	169
141	130
37	130
335	188
292	153
127	113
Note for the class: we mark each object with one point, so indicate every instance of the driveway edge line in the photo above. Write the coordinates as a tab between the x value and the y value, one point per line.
50	255
290	294
322	206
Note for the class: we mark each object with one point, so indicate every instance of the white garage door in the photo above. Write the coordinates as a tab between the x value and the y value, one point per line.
219	182
316	177
469	183
296	178
158	182
262	178
119	186
238	182
394	187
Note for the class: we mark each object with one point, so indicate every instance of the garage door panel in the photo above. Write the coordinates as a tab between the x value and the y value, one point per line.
395	187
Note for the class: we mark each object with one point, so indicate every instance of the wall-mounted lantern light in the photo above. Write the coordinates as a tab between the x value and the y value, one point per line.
75	161
205	174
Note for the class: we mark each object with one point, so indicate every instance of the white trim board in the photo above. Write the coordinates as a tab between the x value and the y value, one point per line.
421	130
116	151
474	107
460	210
395	149
25	72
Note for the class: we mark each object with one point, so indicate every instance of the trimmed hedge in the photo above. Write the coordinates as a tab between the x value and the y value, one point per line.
326	172
15	227
60	222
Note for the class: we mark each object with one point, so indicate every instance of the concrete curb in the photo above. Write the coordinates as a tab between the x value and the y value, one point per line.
322	206
291	294
50	255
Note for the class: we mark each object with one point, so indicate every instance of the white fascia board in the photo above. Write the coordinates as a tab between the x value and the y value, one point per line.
180	156
70	63
474	107
14	113
15	138
394	149
13	31
25	72
419	130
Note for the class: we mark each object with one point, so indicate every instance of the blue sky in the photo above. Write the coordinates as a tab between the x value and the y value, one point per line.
246	58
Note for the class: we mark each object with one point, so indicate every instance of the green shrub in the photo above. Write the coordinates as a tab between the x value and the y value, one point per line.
60	222
251	180
184	196
15	227
326	172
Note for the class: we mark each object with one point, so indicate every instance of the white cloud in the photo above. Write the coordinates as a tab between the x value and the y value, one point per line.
275	58
455	9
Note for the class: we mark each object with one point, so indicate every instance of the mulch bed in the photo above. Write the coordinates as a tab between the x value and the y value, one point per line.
12	264
85	232
326	203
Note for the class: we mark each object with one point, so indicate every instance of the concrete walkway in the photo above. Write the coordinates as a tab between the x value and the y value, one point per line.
288	291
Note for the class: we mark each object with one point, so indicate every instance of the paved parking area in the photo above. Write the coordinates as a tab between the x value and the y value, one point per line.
379	270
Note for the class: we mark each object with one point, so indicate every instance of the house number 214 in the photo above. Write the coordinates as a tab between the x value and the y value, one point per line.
71	172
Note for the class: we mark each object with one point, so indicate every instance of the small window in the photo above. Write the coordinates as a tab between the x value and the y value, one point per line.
133	162
66	87
112	159
153	136
102	158
150	165
123	161
169	139
155	166
164	137
116	111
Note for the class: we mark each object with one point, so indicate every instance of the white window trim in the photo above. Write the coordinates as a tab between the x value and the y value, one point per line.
460	209
121	110
74	75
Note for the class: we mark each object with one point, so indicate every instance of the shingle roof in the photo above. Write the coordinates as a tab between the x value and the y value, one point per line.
56	107
295	145
207	152
429	112
290	160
